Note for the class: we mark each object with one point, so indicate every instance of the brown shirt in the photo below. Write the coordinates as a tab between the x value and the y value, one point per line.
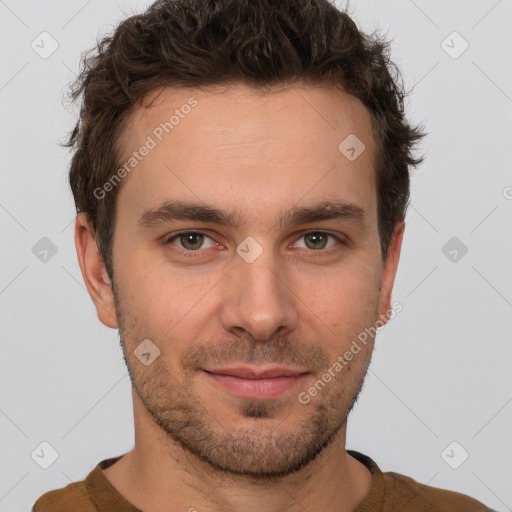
389	492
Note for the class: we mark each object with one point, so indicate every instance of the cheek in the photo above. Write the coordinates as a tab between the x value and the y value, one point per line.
342	309
346	293
163	298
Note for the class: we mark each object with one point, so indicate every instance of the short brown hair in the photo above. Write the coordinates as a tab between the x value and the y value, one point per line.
260	43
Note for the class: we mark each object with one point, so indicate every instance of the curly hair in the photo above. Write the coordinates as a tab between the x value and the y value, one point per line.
260	43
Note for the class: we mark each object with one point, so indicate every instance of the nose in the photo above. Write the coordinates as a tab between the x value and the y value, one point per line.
258	298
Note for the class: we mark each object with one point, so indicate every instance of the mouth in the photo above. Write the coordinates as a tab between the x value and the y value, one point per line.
256	383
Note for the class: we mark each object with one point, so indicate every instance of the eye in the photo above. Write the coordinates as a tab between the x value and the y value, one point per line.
318	240
191	241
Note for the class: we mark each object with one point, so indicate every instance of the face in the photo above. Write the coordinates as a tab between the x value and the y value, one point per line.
246	241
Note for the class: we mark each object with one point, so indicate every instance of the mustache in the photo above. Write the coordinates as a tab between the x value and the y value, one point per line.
279	349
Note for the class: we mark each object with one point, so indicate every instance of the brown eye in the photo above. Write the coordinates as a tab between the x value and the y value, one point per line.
320	243
190	241
317	240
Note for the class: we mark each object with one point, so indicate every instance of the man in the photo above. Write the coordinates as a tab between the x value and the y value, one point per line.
241	176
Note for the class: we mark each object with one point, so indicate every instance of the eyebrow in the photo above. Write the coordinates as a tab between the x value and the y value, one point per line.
200	212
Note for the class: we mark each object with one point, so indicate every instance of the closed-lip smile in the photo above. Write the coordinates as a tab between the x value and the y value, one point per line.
256	382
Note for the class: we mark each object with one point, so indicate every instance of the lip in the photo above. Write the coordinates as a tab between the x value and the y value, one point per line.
255	372
256	383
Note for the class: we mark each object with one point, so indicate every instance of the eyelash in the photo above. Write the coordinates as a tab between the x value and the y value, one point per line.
193	254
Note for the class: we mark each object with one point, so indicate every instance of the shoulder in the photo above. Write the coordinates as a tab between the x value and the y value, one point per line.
395	491
83	496
72	497
411	495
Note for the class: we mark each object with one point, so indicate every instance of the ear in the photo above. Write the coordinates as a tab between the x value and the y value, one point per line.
93	271
389	272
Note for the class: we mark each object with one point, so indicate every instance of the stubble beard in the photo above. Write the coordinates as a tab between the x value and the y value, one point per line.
256	450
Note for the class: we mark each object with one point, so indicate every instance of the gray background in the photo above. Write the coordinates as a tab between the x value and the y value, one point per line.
441	369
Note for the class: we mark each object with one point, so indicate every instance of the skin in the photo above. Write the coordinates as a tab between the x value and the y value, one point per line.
197	445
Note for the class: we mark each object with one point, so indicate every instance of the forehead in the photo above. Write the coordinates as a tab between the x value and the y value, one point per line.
272	146
233	110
